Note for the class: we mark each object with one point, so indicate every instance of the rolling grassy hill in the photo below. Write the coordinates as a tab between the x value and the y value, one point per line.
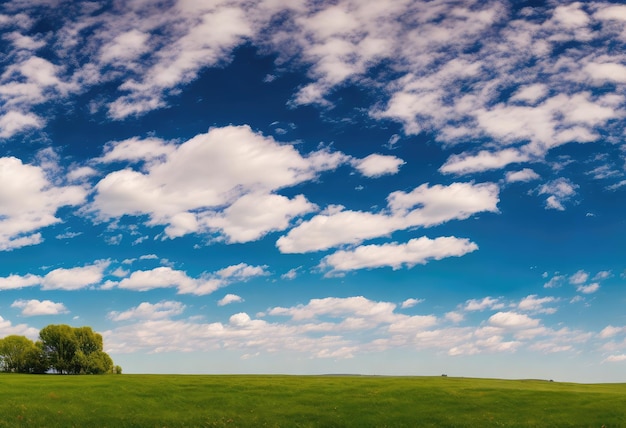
304	401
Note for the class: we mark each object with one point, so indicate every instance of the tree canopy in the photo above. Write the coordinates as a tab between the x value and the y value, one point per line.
60	348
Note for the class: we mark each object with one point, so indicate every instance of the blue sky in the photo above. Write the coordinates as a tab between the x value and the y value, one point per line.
384	187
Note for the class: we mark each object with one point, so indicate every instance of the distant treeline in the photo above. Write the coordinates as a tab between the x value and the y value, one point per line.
61	349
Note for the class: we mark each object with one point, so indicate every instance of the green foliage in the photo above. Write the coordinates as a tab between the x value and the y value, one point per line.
304	401
60	345
15	353
75	350
65	349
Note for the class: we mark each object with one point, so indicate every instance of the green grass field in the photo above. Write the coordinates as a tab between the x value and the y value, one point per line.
304	401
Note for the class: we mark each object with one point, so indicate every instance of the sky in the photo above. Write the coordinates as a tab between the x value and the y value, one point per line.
393	187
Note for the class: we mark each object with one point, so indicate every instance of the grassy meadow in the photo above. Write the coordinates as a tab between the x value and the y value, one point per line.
304	401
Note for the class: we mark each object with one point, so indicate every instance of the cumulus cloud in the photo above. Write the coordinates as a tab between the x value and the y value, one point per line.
254	215
376	165
30	202
483	304
136	149
13	122
7	328
534	303
36	307
579	277
149	311
512	321
236	198
342	327
207	283
416	251
523	175
15	282
74	278
424	206
228	299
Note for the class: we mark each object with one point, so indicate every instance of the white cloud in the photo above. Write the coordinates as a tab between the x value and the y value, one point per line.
416	251
233	198
166	277
241	272
577	299
35	307
74	278
228	299
450	70
454	317
611	12
531	93
482	161
335	327
523	175
610	331
59	279
555	281
7	329
615	358
533	303
425	206
127	46
13	282
81	173
29	201
201	36
207	283
616	186
588	289
560	191
254	215
136	149
336	307
149	311
579	277
611	72
512	321
376	165
602	275
481	305
409	303
13	122
291	274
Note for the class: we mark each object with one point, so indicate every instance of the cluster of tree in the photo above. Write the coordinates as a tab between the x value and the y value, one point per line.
60	348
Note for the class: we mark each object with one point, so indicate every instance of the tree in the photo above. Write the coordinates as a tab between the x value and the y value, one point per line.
37	359
75	350
15	352
98	362
65	349
59	344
